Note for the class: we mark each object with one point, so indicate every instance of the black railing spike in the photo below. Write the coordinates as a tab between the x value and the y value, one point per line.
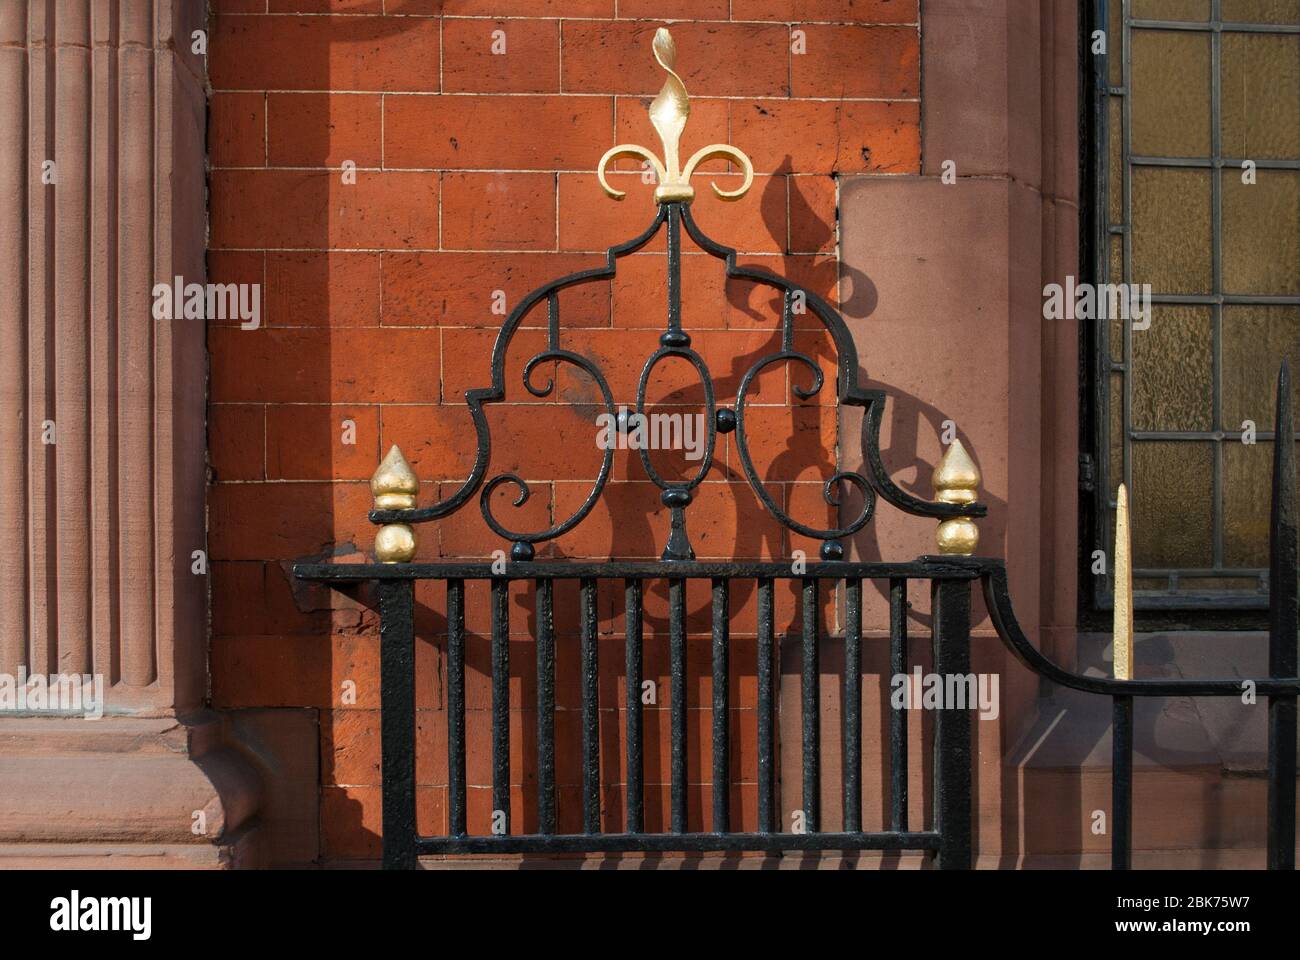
1282	546
1282	629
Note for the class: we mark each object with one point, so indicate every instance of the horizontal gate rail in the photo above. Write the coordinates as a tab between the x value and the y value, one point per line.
679	843
937	568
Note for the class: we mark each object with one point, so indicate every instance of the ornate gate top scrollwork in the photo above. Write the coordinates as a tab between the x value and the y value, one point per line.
956	479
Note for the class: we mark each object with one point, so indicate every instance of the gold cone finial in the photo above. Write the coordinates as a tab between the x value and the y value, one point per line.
1122	644
956	475
394	487
669	112
394	484
956	480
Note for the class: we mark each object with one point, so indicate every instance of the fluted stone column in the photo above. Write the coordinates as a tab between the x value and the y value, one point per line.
102	117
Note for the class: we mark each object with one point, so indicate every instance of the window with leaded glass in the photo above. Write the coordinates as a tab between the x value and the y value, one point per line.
1196	191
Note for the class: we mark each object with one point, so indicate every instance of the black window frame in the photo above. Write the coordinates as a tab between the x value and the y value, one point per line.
1201	611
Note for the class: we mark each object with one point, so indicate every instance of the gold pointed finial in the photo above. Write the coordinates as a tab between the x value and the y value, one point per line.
956	480
394	484
669	112
1122	645
394	487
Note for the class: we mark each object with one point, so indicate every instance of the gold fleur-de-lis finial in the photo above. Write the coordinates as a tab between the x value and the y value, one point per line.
669	112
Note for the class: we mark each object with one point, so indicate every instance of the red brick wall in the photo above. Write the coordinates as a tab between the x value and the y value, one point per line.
475	174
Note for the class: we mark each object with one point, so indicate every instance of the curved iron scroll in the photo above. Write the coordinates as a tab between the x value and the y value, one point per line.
675	342
997	597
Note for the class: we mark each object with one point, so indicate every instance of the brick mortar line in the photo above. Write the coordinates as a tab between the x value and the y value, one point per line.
561	252
789	58
585	253
560	18
920	86
579	481
565	253
555	93
494	327
559	49
563	171
460	404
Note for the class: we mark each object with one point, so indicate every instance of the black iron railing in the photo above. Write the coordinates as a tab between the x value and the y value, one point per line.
950	835
950	578
950	582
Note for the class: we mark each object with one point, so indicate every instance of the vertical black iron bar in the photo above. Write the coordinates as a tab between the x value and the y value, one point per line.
811	709
397	720
456	705
787	321
545	707
898	718
766	771
853	705
1121	784
635	756
500	707
674	266
677	671
1282	630
950	611
721	720
590	711
553	321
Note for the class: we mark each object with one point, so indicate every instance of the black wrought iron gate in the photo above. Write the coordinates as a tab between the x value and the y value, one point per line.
950	576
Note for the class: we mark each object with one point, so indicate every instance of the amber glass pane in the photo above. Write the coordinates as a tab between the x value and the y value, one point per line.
1261	96
1261	233
1172	498
1256	339
1115	435
1116	265
1171	93
1151	584
1170	9
1171	230
1247	476
1218	584
1117	276
1260	11
1173	370
1115	162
